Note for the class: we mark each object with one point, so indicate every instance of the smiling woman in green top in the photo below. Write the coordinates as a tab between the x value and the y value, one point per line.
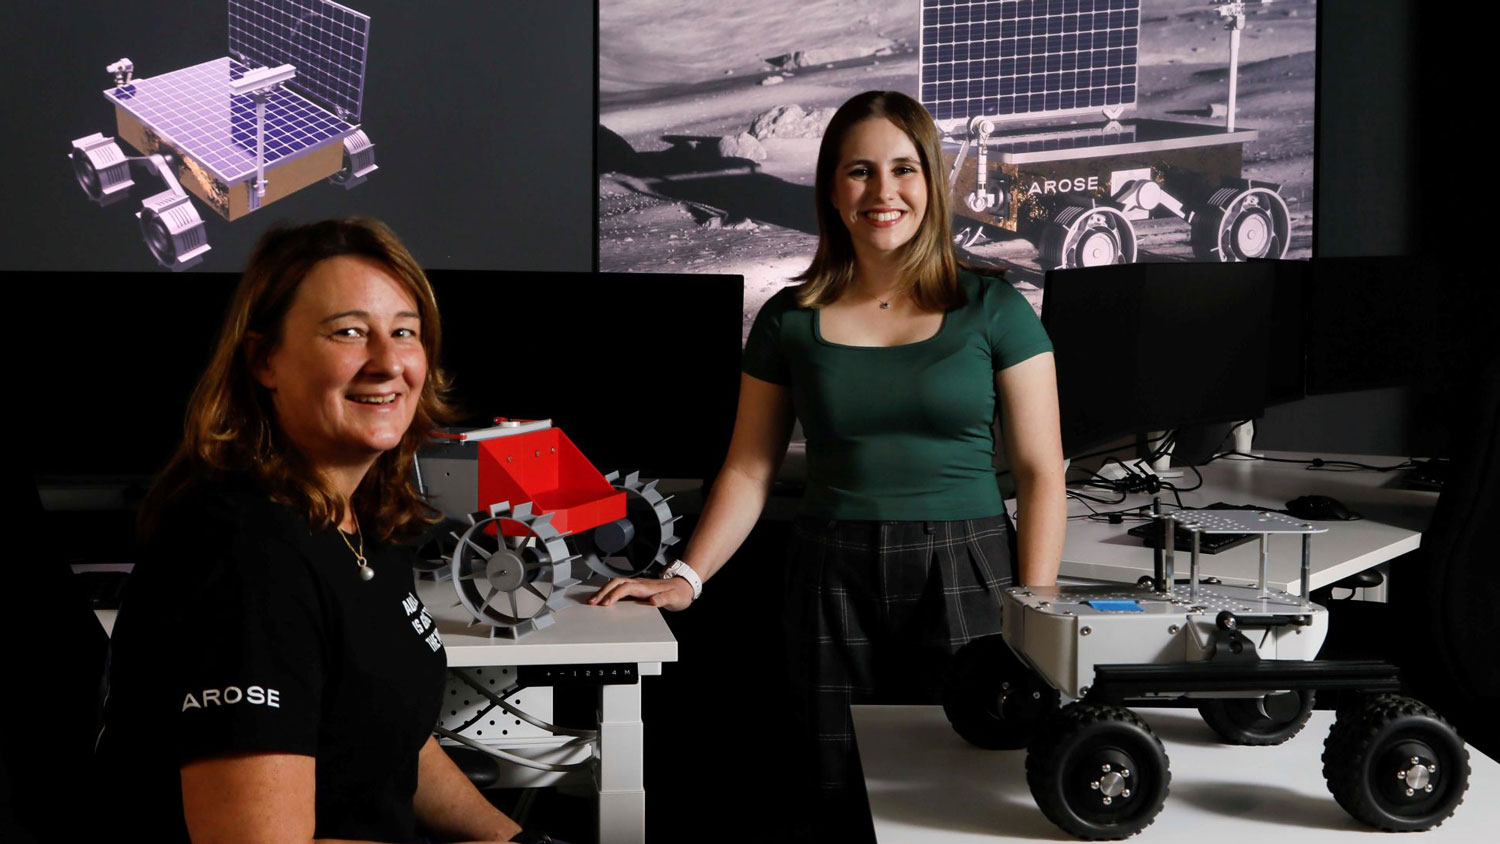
896	360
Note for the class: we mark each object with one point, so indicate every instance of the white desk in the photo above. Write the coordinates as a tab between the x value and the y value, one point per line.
928	785
1392	525
625	633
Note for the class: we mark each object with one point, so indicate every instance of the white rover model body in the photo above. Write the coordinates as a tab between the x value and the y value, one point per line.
1062	634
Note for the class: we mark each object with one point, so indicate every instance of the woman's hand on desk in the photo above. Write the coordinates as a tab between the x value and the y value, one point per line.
671	594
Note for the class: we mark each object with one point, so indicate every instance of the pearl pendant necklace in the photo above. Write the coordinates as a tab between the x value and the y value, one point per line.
365	572
884	305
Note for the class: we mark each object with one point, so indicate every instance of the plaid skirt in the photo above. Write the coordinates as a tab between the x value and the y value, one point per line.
875	611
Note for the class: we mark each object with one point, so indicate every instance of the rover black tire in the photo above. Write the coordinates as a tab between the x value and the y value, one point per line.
992	699
1368	761
1098	772
1258	721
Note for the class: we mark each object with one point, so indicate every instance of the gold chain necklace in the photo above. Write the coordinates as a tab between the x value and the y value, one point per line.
885	304
365	572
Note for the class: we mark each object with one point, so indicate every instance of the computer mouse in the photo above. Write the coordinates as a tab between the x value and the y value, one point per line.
1320	508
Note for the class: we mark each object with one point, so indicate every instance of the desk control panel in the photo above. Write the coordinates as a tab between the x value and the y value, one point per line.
606	674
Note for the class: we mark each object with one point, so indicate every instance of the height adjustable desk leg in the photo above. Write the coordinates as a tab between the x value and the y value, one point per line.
622	791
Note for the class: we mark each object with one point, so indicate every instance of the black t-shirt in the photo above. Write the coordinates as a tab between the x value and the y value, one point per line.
245	631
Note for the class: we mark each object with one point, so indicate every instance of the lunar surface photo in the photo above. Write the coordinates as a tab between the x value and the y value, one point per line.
710	116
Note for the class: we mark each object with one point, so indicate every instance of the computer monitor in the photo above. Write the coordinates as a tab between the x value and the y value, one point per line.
640	370
1378	322
1153	347
1286	350
1416	328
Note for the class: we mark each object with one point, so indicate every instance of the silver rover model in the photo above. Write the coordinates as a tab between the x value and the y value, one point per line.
1243	655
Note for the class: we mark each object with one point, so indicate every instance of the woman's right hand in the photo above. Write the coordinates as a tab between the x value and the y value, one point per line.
671	594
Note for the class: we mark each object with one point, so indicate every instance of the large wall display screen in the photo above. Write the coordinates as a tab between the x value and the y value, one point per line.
1076	132
170	135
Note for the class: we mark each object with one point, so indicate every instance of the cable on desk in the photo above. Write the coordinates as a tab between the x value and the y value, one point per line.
553	767
1086	498
1318	463
1134	514
1105	451
517	713
1137	479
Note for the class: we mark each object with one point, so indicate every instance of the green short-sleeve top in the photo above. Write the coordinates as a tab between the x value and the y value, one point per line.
899	433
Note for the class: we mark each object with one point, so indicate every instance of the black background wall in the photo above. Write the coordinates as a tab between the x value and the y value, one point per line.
1370	104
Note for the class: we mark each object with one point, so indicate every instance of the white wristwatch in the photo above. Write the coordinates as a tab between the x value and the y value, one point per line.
684	571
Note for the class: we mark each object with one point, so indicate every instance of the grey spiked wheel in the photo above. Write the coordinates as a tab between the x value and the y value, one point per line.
510	569
435	548
653	524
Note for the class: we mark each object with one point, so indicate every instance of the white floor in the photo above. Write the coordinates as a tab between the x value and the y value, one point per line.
928	785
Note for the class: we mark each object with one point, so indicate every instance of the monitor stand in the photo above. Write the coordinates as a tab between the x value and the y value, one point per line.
1162	465
1244	436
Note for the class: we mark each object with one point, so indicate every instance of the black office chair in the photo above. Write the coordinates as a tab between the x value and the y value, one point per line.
54	664
1445	595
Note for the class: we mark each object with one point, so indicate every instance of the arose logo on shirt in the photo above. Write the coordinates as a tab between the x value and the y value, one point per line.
231	695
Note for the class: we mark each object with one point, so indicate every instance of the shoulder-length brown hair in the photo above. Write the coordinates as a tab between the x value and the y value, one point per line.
928	265
231	424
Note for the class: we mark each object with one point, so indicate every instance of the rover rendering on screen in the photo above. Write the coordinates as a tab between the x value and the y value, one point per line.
277	114
1031	96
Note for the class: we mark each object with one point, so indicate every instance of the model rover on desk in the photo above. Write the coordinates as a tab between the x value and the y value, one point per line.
280	112
523	506
1243	655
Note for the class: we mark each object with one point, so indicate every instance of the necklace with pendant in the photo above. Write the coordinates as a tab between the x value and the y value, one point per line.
885	304
365	572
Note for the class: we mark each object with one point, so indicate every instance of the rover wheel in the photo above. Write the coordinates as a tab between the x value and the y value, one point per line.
1087	237
1258	720
436	546
1396	765
1098	772
84	172
992	699
1241	222
510	568
158	238
651	526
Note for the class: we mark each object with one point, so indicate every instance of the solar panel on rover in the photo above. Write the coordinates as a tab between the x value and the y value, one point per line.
194	110
325	41
1012	59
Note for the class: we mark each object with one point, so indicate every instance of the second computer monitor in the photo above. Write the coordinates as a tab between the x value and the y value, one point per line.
1154	347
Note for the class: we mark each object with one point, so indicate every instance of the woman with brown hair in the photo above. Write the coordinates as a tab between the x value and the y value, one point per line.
896	359
273	675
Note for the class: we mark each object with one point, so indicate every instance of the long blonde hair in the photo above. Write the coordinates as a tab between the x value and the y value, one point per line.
231	424
928	261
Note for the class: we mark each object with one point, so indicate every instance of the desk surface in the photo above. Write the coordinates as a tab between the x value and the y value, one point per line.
928	785
1392	525
626	632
